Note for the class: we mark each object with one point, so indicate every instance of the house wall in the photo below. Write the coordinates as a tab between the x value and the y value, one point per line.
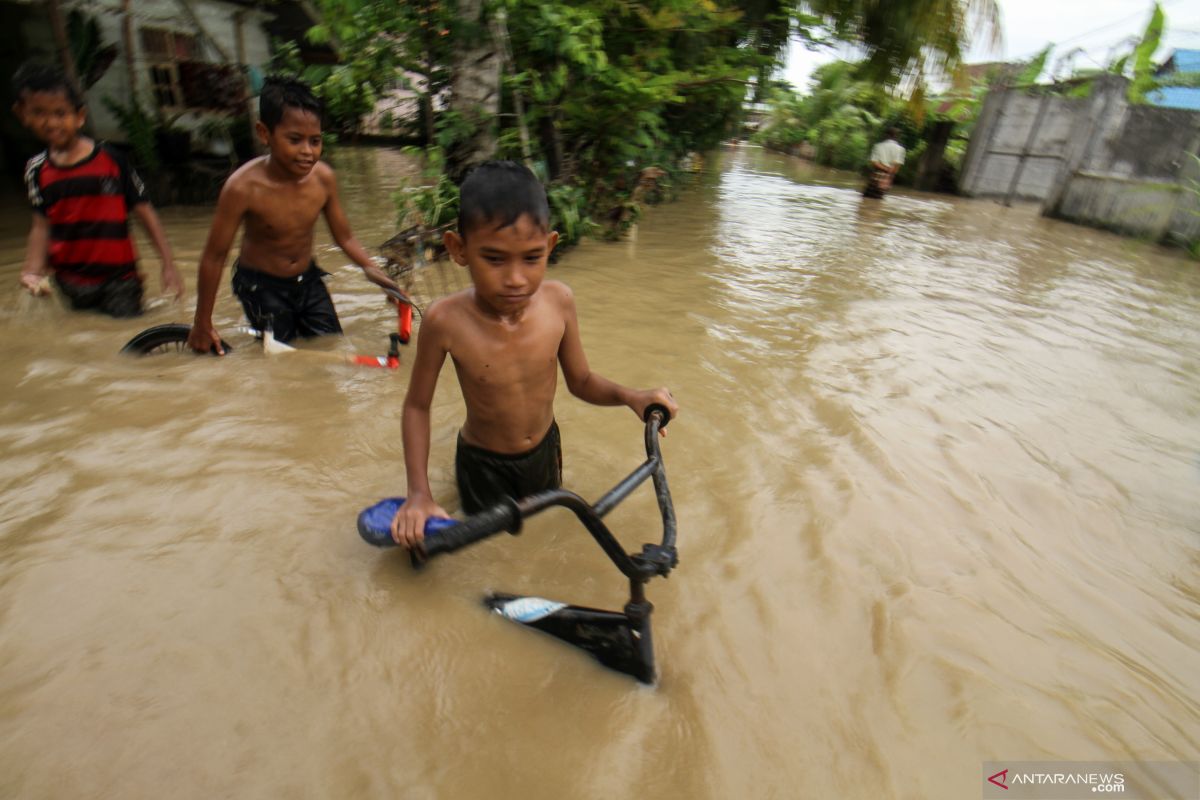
396	109
1096	160
218	19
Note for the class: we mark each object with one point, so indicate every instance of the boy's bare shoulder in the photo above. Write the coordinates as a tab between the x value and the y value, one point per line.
559	293
325	177
442	318
252	171
446	308
245	177
557	289
323	171
442	313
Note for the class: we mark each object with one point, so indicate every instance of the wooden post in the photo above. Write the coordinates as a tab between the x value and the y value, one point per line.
500	32
127	46
930	166
239	33
62	44
474	91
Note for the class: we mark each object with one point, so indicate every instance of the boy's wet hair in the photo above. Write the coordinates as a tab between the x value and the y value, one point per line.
33	77
279	94
500	193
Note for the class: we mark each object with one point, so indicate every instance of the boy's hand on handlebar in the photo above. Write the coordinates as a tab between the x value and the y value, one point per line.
380	278
396	297
645	398
408	526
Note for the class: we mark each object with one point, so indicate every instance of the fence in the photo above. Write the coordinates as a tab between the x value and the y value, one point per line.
1096	160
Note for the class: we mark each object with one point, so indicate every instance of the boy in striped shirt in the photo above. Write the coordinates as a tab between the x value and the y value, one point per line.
82	194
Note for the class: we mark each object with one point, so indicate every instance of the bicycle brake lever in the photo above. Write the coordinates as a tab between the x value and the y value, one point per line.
397	296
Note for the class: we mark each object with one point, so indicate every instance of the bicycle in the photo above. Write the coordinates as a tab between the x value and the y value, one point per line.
619	640
172	338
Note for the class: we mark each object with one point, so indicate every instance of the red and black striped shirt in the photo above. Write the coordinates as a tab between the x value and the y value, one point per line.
88	205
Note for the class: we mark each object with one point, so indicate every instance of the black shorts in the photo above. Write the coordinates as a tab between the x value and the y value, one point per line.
290	307
486	478
117	296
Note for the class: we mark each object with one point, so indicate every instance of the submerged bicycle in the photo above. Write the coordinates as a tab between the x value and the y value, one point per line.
620	640
172	338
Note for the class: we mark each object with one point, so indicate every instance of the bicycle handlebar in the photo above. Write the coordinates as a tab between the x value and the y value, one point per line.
661	410
503	517
509	515
445	535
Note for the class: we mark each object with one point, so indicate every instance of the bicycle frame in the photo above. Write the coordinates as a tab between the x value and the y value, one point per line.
175	336
404	310
620	640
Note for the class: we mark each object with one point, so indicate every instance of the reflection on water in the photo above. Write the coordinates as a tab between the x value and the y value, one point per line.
936	476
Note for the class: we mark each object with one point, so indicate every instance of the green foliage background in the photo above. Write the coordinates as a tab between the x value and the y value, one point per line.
596	91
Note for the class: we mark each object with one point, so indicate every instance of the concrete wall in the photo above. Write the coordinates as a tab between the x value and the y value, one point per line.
1021	137
1096	160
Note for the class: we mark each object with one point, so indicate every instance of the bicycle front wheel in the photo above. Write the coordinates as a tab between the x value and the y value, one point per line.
170	338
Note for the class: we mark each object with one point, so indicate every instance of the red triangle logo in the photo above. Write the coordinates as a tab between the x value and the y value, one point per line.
1003	776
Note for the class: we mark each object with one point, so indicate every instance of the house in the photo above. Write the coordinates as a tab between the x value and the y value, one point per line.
193	64
1181	63
398	109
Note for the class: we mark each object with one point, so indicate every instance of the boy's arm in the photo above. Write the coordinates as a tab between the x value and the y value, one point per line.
592	387
171	281
408	526
33	273
339	226
231	207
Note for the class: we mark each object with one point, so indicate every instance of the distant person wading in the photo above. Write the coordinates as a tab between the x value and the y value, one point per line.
886	158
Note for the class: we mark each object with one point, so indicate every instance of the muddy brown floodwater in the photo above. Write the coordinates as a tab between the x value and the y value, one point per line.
937	477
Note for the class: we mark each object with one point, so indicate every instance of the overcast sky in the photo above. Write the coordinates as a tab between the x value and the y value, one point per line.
1029	25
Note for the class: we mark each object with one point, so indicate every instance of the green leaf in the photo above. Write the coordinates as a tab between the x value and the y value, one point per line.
1033	70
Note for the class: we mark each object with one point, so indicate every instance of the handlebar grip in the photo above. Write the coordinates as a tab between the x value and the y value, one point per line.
503	517
375	522
661	409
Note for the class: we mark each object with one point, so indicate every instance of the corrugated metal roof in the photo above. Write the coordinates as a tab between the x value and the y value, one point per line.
1176	97
1186	60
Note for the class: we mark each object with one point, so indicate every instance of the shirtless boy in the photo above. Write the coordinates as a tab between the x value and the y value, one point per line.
279	197
506	335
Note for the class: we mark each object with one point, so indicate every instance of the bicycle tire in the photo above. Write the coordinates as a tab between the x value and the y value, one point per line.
169	338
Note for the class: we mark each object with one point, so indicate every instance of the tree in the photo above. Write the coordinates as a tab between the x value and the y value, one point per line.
595	91
380	43
1143	66
474	92
909	36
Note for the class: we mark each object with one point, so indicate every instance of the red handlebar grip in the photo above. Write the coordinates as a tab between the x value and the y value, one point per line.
405	323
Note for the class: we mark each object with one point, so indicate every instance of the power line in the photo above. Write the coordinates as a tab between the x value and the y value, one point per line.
1124	20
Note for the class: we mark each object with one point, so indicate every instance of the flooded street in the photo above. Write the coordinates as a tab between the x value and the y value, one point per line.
936	475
